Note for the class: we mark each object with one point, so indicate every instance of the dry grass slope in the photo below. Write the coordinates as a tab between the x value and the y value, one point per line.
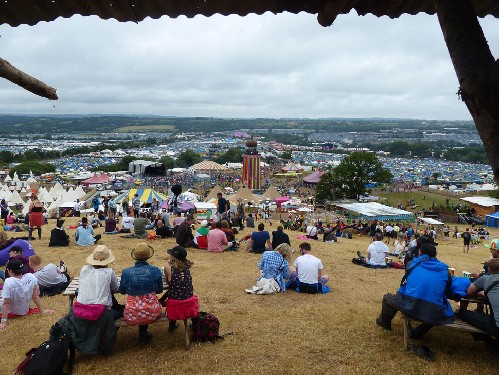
280	334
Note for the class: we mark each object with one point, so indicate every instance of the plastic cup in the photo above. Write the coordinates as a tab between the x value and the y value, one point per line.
452	271
467	274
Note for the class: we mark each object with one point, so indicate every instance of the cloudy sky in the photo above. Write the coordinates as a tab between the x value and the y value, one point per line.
256	66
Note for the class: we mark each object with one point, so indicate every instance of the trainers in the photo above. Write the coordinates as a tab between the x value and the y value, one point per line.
62	266
359	254
383	325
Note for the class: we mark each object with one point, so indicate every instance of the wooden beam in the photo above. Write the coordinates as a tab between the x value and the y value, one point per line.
14	75
476	69
331	10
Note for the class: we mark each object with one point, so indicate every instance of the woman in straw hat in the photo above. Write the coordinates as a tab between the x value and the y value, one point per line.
97	285
142	282
182	303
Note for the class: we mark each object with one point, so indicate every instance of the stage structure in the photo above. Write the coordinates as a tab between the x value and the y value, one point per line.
251	166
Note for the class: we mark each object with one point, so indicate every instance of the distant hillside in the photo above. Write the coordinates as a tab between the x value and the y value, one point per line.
39	125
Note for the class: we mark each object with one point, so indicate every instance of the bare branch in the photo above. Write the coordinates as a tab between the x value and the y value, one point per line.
27	82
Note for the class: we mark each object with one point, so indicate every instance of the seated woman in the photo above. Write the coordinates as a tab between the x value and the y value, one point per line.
162	230
58	236
142	282
85	234
90	323
399	244
11	219
181	303
273	265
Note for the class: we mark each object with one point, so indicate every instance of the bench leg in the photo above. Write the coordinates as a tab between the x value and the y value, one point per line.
71	300
406	334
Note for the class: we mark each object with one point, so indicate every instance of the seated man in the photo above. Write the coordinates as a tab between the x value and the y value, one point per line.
58	236
377	251
18	291
217	240
139	225
421	294
308	277
489	284
183	234
258	240
329	235
51	279
162	230
279	237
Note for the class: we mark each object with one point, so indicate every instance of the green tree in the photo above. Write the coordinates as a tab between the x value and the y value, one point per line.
188	158
349	178
168	161
286	155
233	155
33	166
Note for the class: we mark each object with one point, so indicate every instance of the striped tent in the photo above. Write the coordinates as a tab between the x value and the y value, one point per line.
208	165
145	196
292	167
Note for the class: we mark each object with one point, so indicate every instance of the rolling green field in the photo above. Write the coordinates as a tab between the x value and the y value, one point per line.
144	128
423	199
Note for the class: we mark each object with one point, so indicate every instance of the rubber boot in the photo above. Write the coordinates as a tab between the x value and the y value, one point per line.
30	234
39	233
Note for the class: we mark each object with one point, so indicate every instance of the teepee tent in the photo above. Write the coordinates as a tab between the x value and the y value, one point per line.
15	198
271	193
246	195
213	193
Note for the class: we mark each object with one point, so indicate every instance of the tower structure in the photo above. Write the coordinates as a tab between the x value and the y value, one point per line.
251	175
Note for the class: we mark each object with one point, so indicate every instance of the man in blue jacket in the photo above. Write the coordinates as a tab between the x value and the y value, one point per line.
421	295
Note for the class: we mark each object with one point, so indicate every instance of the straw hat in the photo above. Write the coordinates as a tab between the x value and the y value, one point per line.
142	251
101	256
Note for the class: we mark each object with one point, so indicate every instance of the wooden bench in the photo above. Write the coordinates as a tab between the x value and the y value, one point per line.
457	324
75	284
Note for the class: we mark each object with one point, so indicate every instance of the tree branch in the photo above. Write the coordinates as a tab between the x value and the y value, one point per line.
27	82
331	10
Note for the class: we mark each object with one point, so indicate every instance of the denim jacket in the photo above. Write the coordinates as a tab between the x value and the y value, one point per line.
141	279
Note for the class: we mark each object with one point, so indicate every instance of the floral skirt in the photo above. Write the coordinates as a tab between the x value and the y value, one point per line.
141	310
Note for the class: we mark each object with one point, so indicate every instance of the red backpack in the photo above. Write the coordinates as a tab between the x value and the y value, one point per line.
205	327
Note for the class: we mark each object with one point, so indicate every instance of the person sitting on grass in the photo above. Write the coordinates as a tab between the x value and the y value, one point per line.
377	252
229	232
139	225
259	241
421	294
250	221
85	235
279	237
183	234
58	236
110	225
274	264
308	277
51	279
18	291
217	239
16	252
162	230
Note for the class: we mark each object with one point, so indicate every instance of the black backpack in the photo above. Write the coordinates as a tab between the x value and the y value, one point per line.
50	357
